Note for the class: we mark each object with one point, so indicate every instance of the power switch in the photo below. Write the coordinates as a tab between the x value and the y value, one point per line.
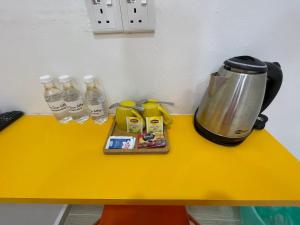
109	2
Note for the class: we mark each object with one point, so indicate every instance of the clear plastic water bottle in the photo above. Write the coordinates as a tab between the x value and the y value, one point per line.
73	100
96	100
54	98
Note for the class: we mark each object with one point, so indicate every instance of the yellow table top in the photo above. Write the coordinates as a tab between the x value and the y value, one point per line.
42	161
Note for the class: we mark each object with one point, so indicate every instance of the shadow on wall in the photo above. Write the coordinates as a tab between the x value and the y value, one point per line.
199	92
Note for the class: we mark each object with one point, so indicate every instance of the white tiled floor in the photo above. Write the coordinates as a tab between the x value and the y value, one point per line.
88	214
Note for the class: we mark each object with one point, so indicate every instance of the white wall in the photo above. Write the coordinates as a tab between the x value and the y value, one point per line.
192	39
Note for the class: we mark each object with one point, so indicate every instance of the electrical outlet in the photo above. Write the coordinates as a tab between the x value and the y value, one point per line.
105	16
138	15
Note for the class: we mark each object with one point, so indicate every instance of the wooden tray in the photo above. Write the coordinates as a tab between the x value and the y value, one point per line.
115	131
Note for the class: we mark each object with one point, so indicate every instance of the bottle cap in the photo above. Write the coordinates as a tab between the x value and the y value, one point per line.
46	79
88	79
64	78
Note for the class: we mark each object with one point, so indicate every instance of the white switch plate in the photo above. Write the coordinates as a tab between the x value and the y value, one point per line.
105	16
138	15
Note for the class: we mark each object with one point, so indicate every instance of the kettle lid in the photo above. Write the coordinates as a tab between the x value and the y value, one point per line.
246	63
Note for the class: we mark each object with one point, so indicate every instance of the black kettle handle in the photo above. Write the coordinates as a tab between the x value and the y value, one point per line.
274	81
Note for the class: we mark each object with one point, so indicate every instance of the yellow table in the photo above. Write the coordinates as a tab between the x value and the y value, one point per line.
42	161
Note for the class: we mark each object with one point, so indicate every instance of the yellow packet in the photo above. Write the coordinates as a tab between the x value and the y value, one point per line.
155	124
134	124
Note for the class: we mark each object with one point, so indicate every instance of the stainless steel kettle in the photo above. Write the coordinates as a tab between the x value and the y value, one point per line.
242	88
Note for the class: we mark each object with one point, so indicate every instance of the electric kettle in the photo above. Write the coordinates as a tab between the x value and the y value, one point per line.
235	98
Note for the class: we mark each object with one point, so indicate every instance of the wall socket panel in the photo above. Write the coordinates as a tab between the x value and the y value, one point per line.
105	16
138	15
117	16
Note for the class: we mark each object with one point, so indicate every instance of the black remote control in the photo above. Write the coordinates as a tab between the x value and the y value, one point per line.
8	118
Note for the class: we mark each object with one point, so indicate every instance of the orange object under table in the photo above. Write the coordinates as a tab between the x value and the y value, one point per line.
145	215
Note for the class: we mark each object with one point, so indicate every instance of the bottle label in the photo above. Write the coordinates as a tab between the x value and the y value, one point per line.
75	106
58	106
96	110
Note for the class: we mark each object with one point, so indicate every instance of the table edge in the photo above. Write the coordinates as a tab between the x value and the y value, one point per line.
152	202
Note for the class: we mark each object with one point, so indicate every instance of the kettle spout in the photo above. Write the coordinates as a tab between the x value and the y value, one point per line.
215	83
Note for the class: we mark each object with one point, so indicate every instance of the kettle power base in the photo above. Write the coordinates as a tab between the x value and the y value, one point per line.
115	131
216	138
